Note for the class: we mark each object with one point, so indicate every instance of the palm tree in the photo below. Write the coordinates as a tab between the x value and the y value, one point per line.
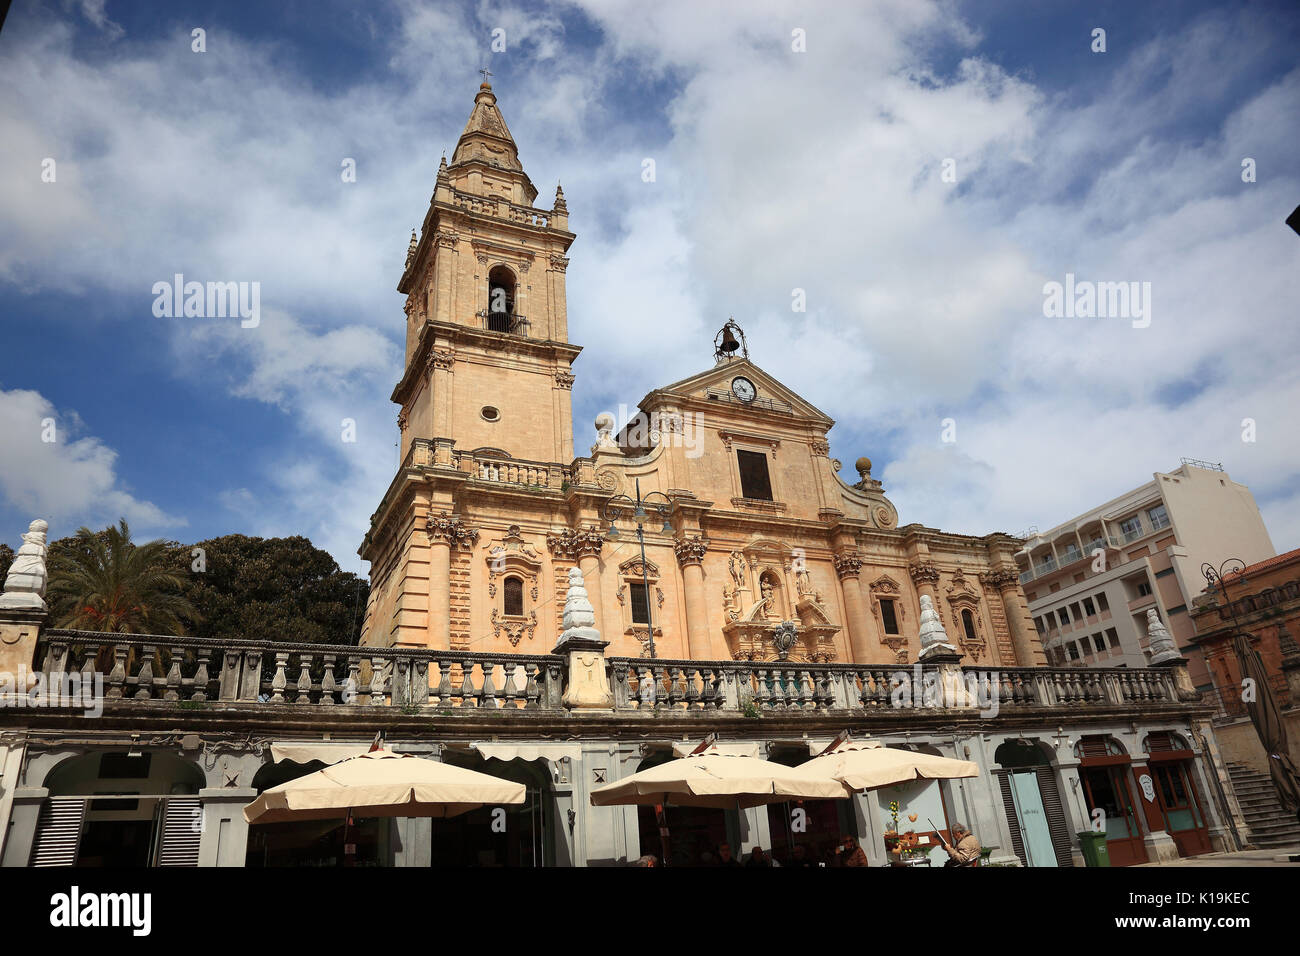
103	582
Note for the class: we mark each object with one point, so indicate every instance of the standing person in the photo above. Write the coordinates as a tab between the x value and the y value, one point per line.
967	849
724	856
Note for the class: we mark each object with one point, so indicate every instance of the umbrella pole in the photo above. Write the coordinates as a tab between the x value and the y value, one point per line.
349	850
662	820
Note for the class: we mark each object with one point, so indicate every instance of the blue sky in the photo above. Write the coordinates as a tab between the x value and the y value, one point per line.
777	170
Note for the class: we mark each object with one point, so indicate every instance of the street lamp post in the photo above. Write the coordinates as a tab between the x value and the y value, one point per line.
640	508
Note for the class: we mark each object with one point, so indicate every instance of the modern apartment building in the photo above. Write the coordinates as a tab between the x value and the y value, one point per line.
1091	580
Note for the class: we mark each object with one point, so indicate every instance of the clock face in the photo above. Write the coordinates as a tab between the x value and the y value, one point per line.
743	389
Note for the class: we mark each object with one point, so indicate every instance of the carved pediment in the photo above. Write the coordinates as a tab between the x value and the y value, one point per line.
632	568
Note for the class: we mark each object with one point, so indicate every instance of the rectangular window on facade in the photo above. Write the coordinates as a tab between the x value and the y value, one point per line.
754	480
640	602
1075	613
1144	588
1131	528
888	616
1088	607
1098	642
1113	638
1158	516
1039	626
1064	615
1102	604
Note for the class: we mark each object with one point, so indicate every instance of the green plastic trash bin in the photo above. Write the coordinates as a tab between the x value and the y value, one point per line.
1093	845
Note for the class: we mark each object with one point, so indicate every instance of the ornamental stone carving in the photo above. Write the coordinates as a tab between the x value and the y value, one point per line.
451	529
564	379
690	550
820	448
559	263
571	543
1001	579
923	572
442	358
847	563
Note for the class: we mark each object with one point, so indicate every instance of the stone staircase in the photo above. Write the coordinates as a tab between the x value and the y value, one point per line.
1270	825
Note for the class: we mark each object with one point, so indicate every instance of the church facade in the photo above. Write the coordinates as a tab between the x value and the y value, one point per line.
471	546
741	587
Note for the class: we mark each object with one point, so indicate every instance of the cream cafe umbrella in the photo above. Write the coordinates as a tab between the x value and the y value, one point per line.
866	765
383	784
720	780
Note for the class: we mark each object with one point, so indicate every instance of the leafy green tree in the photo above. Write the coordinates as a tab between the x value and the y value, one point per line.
274	589
6	559
102	581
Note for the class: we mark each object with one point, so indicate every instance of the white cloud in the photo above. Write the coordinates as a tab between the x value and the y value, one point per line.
69	481
776	170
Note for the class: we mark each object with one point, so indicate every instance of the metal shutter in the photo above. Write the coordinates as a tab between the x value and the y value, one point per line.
1013	822
1055	816
58	832
181	832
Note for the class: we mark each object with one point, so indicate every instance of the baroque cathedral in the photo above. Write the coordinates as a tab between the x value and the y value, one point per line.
759	549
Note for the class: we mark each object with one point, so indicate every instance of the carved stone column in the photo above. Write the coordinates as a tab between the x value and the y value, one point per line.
848	565
690	555
1029	650
445	532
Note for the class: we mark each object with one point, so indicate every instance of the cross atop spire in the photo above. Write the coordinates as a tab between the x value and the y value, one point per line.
486	73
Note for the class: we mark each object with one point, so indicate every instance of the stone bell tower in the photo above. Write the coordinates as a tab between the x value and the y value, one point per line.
487	351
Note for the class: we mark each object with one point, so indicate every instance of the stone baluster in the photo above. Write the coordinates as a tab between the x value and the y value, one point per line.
488	693
173	691
117	676
676	688
531	691
468	696
327	683
304	681
90	653
144	678
352	683
692	693
377	682
279	681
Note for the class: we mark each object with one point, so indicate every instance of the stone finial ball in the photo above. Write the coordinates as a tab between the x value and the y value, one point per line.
604	422
864	465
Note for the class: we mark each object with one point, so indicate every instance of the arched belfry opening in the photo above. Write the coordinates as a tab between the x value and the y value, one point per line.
500	310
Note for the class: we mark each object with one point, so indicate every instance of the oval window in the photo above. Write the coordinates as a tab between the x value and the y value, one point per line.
490	413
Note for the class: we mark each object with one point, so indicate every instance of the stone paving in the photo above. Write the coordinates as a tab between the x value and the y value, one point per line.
1274	856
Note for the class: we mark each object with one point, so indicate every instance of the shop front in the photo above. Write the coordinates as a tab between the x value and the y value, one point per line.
1178	802
1106	774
